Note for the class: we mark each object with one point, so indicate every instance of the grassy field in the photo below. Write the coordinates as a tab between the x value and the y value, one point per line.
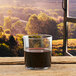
58	45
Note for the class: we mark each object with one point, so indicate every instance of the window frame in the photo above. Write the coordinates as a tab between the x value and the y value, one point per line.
65	5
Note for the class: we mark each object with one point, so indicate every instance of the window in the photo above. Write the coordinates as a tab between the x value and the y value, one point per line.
43	16
69	7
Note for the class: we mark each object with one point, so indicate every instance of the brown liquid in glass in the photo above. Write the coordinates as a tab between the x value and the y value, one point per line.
37	59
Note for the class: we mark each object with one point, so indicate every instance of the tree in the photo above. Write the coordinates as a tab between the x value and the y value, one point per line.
13	45
71	30
18	27
7	22
5	51
1	30
33	25
42	24
1	18
9	12
2	39
12	41
60	30
7	31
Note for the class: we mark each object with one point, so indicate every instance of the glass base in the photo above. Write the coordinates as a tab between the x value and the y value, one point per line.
31	68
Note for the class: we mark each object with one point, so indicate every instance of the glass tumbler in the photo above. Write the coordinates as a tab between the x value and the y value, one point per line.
37	51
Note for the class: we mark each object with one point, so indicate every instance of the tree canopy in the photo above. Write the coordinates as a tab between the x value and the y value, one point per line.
42	24
7	22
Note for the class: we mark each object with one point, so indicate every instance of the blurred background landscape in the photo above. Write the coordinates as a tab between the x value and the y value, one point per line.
22	17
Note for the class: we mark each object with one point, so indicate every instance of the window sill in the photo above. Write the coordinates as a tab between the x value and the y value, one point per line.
61	66
20	60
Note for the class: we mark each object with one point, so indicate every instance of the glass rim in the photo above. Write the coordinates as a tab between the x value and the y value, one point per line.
44	35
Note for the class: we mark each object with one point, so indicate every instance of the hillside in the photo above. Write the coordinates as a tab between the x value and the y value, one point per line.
57	46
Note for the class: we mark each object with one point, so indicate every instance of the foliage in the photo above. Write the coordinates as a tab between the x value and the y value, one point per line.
58	47
60	30
11	46
4	50
7	22
7	31
40	23
49	22
18	27
71	30
20	48
1	18
9	12
1	30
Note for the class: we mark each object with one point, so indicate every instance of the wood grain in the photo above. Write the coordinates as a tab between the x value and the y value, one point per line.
20	60
61	66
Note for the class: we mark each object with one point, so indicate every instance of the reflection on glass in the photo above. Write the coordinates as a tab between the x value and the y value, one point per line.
72	8
72	38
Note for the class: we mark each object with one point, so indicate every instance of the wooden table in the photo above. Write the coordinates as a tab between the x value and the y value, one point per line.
61	66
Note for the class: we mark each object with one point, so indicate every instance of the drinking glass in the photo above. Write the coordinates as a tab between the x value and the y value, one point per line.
37	51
